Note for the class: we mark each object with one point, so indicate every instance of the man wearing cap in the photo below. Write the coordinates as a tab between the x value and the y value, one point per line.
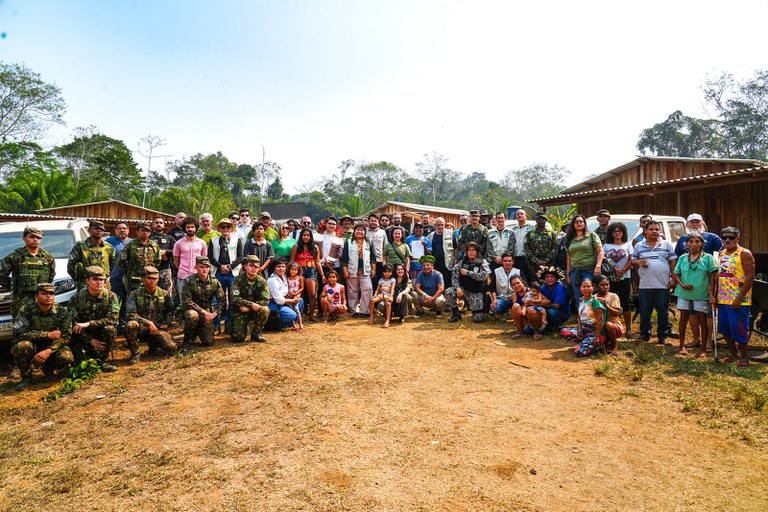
734	294
474	232
498	241
270	233
517	247
468	281
95	309
541	245
177	231
603	220
712	243
225	253
166	243
428	288
206	231
443	244
29	266
41	332
138	254
149	309
199	312
91	251
397	220
250	302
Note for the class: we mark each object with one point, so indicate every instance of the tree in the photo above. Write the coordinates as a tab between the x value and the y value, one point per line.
28	105
682	136
535	180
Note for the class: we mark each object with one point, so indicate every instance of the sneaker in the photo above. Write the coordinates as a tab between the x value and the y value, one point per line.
257	337
418	314
135	358
108	368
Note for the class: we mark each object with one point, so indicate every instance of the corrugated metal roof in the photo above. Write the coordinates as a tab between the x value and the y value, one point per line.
421	208
642	158
687	179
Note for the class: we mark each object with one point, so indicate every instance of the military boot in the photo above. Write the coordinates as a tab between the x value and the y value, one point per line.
135	358
455	315
256	336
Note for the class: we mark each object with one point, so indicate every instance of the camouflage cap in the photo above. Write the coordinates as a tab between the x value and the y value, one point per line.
93	223
94	271
151	271
31	230
143	225
202	260
252	258
45	287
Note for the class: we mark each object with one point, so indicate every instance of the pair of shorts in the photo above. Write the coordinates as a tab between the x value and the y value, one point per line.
698	306
310	273
733	323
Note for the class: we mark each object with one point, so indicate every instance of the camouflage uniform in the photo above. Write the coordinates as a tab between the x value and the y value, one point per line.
478	234
246	292
540	245
198	299
143	308
474	285
102	312
85	254
28	271
30	336
134	258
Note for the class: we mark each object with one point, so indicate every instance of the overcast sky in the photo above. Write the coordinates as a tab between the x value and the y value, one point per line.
493	86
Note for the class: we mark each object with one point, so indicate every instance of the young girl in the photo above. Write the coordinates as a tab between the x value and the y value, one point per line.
384	292
295	289
613	326
333	298
591	320
530	299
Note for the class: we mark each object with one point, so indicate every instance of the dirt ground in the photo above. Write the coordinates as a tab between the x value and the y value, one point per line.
421	416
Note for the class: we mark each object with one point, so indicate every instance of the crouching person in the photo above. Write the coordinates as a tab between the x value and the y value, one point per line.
469	280
250	300
198	293
149	308
96	311
41	333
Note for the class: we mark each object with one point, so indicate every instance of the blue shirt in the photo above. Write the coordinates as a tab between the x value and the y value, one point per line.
557	295
712	243
118	245
429	283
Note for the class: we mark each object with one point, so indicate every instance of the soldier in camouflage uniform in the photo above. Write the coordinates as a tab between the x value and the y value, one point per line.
30	266
41	333
198	292
95	310
137	255
541	245
469	280
149	308
474	232
250	298
92	251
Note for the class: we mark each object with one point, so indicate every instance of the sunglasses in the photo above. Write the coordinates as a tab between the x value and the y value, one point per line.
728	238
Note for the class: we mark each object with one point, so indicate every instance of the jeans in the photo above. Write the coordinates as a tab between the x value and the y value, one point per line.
287	314
226	311
577	287
650	300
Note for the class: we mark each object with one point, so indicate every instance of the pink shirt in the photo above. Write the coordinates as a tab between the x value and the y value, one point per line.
187	251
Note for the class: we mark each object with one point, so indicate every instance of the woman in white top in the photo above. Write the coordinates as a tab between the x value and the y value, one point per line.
278	292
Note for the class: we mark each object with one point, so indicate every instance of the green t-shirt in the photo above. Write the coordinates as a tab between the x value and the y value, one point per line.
697	274
583	251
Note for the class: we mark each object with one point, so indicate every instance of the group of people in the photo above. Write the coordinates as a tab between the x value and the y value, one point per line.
244	274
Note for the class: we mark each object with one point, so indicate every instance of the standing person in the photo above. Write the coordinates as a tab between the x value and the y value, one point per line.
428	289
603	219
501	285
244	225
119	241
177	231
585	254
198	294
695	276
259	246
358	263
250	298
397	251
517	246
428	228
95	311
734	294
41	333
149	310
283	244
306	254
225	254
619	250
206	231
91	251
377	237
541	245
413	241
137	255
695	223
279	294
655	261
613	326
165	242
29	265
185	253
474	232
498	241
443	243
468	281
397	220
